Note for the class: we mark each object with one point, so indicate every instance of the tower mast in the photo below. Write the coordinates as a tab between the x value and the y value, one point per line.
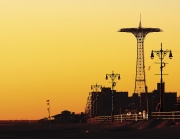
140	34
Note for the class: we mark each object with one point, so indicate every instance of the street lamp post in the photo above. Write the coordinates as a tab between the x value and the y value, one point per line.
161	54
95	87
113	77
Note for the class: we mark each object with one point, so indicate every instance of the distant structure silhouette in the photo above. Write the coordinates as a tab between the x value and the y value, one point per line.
140	34
95	97
123	103
69	117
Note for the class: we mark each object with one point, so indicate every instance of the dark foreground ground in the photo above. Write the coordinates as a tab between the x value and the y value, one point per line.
151	129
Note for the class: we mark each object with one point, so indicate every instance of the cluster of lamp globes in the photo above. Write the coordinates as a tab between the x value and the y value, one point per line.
113	76
163	52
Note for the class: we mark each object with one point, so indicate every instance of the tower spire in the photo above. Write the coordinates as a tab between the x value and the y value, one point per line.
140	22
140	34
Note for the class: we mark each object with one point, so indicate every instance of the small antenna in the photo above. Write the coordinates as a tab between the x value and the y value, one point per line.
140	22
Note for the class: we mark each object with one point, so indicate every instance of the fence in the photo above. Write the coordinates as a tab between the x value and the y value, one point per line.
12	122
174	115
122	117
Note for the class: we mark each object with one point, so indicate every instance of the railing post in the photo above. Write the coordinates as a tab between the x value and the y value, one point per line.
121	118
136	117
173	116
146	116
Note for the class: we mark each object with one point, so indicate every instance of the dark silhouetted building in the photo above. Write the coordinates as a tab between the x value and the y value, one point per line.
133	103
68	117
153	100
101	102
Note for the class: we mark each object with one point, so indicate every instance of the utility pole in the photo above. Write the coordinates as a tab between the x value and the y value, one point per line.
48	103
161	54
113	77
95	87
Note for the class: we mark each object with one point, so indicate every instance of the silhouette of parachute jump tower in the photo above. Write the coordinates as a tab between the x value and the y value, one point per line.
140	34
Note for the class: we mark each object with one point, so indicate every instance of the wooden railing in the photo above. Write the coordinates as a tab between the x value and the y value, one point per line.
174	115
12	122
122	117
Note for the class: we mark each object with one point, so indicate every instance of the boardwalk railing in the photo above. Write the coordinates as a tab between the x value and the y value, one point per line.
121	118
174	115
15	122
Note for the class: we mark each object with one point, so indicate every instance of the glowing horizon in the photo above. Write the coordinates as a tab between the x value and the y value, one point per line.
57	49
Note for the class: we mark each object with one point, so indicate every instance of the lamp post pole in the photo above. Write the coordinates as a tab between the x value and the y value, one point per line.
161	54
95	87
113	77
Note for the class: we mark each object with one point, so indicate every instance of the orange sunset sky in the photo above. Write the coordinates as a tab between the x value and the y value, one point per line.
57	49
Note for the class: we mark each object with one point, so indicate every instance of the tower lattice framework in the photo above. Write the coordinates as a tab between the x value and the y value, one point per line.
140	34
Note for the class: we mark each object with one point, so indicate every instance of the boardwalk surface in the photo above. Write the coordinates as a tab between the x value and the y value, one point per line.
152	129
